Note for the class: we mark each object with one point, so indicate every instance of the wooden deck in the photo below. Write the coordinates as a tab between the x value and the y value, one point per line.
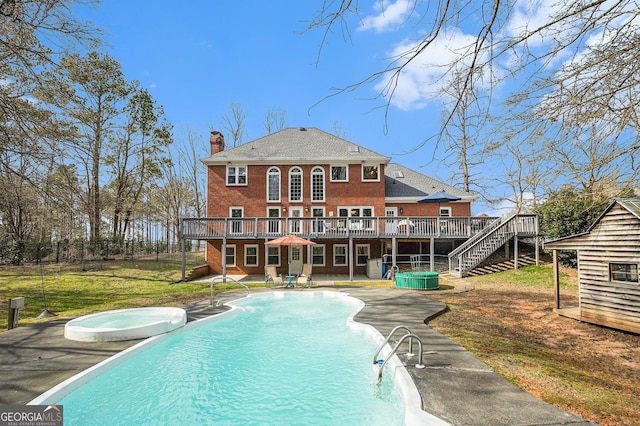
334	228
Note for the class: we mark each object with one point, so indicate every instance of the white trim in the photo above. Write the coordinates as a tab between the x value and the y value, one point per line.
301	174
237	175
257	247
346	167
279	184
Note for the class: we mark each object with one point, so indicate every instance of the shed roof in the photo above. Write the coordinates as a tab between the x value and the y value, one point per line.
630	204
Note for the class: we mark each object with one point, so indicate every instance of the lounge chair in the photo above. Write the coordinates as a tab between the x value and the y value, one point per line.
271	277
306	275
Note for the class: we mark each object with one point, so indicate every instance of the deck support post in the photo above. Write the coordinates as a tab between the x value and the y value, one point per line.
556	279
515	252
351	259
223	256
432	245
183	258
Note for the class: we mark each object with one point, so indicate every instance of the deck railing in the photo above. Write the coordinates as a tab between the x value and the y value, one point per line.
333	227
475	250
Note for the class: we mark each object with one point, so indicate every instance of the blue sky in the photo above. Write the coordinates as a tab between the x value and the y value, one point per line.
198	56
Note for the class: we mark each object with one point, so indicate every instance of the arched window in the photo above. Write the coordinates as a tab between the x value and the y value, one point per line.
273	184
317	184
295	184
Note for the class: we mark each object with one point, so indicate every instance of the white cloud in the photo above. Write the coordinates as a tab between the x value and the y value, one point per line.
423	79
393	15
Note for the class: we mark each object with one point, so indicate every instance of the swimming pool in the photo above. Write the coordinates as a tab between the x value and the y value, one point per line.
282	357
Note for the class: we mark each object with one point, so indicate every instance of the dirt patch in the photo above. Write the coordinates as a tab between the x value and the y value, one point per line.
589	370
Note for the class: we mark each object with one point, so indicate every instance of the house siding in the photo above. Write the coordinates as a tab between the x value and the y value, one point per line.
614	239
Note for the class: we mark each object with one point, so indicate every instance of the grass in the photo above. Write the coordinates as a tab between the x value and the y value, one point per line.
533	276
69	291
508	323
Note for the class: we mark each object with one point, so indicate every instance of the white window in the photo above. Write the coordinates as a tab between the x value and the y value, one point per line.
370	173
362	254
273	184
230	255
339	174
236	175
317	184
295	184
340	255
273	255
317	254
251	255
236	225
445	212
355	213
273	225
318	224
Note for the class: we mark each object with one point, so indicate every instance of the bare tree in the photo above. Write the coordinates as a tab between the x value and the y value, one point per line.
275	119
234	122
189	155
574	84
464	146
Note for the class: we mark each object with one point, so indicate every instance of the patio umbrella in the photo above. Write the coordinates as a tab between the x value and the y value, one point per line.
440	197
290	240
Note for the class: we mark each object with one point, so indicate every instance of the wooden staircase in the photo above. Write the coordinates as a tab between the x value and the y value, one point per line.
477	249
507	265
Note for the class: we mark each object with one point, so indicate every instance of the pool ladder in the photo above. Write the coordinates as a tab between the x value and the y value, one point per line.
409	336
224	280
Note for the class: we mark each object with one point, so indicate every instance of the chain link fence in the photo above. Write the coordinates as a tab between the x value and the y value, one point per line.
87	251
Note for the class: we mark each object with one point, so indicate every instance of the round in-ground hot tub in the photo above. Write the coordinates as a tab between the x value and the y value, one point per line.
418	280
125	324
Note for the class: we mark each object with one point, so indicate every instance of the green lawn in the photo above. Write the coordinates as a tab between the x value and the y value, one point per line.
74	289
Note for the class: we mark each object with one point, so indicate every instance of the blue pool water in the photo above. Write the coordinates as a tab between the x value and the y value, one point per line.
279	358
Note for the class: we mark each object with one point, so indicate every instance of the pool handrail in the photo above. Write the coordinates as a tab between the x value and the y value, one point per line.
398	327
419	365
224	280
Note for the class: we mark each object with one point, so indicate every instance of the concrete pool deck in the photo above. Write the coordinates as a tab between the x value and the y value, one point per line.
455	386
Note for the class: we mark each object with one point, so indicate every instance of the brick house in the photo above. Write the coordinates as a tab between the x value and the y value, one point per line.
351	201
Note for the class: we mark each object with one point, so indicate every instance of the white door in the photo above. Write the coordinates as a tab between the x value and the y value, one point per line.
295	260
391	226
295	226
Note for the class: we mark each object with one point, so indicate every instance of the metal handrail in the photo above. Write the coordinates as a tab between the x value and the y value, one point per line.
404	327
224	279
419	365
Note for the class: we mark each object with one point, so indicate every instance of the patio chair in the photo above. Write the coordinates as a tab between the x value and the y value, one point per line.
271	277
306	275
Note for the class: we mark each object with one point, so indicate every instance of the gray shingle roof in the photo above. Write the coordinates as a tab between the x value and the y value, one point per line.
300	146
415	185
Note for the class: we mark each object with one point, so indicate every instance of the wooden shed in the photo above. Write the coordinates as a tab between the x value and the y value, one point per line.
608	262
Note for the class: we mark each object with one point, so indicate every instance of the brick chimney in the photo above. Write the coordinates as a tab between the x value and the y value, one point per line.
217	142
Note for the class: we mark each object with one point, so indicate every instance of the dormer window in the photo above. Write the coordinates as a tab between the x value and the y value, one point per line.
370	173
